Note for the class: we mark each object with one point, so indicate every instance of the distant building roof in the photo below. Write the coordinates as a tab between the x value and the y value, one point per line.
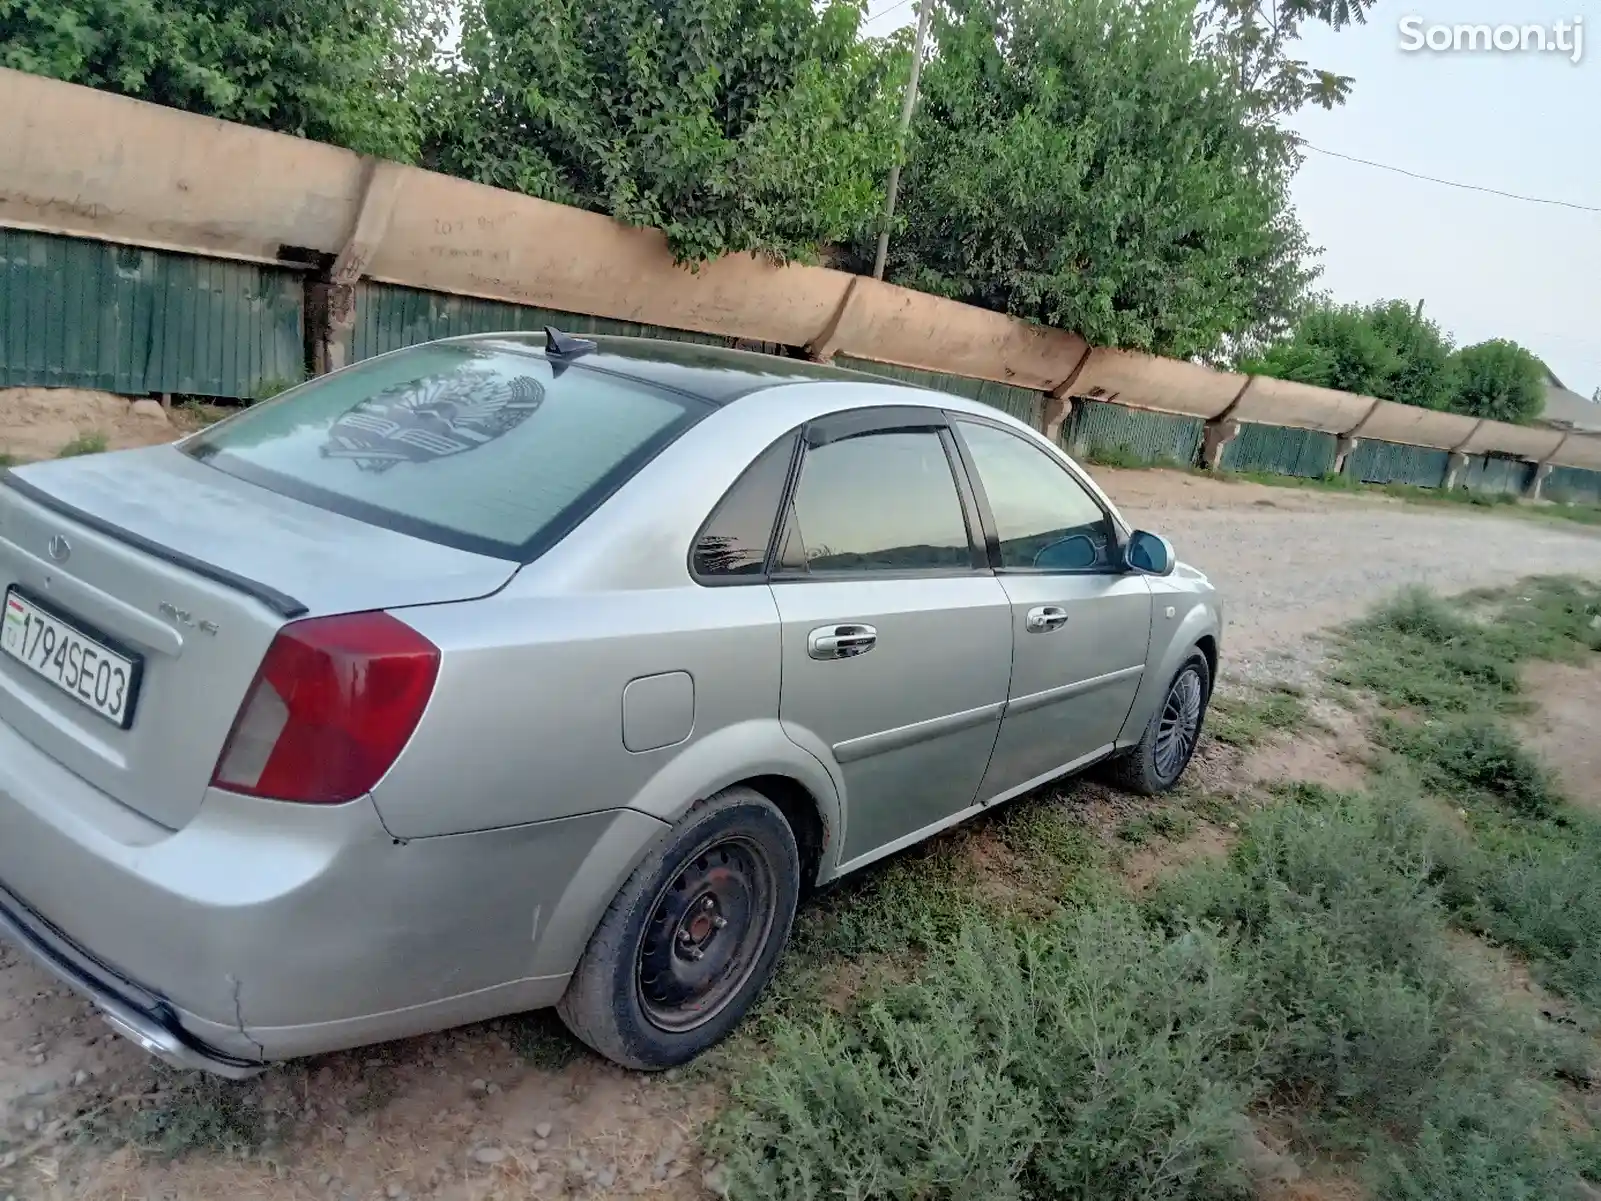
1566	409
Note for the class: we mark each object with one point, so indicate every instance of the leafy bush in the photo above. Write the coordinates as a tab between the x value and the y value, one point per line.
1538	888
1078	1058
1384	350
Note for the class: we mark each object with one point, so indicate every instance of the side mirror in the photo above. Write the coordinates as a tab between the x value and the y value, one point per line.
1149	554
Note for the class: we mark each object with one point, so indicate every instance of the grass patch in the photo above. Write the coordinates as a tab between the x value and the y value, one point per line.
1582	512
1477	756
1126	457
1153	824
1122	1051
1436	657
1245	719
92	443
8	460
200	1114
268	388
541	1041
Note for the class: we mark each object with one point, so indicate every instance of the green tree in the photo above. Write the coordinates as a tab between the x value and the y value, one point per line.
1386	349
340	71
1079	163
1500	380
1254	40
731	125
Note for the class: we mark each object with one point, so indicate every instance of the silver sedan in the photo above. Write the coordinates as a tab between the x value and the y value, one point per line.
515	670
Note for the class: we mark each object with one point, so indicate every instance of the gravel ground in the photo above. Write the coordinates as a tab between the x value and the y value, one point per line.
1291	562
502	1110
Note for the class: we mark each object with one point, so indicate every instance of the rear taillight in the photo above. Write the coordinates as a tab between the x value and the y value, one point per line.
334	702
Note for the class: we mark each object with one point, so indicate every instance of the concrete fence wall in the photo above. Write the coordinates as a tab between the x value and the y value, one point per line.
86	164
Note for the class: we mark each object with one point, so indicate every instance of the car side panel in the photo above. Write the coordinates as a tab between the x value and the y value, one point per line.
908	725
527	720
1071	686
1185	609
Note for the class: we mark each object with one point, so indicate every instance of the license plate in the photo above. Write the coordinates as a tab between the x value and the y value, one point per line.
85	668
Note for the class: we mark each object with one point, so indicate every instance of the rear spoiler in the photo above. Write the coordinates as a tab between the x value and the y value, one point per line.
280	603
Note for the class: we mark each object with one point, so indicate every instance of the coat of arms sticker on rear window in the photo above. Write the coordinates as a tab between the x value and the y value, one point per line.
432	418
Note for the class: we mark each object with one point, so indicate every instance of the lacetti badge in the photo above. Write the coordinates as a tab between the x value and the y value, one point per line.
432	418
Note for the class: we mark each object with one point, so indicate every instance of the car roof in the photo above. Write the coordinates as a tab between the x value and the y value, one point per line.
711	373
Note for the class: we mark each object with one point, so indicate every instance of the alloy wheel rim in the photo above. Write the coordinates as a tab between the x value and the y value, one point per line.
707	928
1179	726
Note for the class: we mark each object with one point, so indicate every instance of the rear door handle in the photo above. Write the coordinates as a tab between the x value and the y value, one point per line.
841	641
1044	618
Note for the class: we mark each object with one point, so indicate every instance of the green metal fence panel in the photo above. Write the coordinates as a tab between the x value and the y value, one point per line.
1575	484
81	314
1280	450
1375	462
1495	475
389	317
1021	403
1101	429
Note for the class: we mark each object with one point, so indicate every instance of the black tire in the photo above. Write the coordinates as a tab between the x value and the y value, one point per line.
661	981
1157	763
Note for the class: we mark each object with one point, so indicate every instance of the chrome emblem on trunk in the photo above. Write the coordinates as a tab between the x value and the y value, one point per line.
185	618
58	548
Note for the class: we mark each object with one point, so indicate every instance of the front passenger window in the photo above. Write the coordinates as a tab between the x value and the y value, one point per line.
1046	520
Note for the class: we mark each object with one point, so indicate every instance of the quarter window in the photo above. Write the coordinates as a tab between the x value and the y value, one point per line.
1045	518
878	502
733	542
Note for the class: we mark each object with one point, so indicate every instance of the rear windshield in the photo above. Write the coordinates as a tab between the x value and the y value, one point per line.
476	445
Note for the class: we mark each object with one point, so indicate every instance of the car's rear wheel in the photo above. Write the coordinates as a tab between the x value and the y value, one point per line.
692	937
1168	742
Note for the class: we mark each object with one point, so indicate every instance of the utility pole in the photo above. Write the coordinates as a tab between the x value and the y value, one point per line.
925	13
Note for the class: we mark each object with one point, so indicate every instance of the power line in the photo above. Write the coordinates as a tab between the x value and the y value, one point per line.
886	11
1451	183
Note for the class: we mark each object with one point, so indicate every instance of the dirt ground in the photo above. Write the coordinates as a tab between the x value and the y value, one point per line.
36	423
1565	731
1291	562
513	1109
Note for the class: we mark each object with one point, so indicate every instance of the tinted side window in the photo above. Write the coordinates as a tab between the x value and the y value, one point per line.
1044	517
733	542
880	502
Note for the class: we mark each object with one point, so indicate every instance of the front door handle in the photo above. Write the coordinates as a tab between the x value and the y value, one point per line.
841	641
1045	618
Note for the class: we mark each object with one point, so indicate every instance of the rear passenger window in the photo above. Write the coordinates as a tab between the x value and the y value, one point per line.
733	542
878	502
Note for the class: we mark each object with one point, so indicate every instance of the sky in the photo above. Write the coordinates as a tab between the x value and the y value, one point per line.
1484	266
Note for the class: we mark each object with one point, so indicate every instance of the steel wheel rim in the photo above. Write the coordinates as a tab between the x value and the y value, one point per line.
1180	724
705	934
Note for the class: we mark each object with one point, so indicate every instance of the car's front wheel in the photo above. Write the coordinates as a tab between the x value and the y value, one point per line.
1169	739
692	937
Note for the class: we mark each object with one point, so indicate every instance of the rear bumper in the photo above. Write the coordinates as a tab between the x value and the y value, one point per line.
264	931
134	1012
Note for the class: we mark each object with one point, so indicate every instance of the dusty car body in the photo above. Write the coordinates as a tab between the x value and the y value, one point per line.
501	673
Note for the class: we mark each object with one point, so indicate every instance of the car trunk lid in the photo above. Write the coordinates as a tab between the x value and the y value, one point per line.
189	572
